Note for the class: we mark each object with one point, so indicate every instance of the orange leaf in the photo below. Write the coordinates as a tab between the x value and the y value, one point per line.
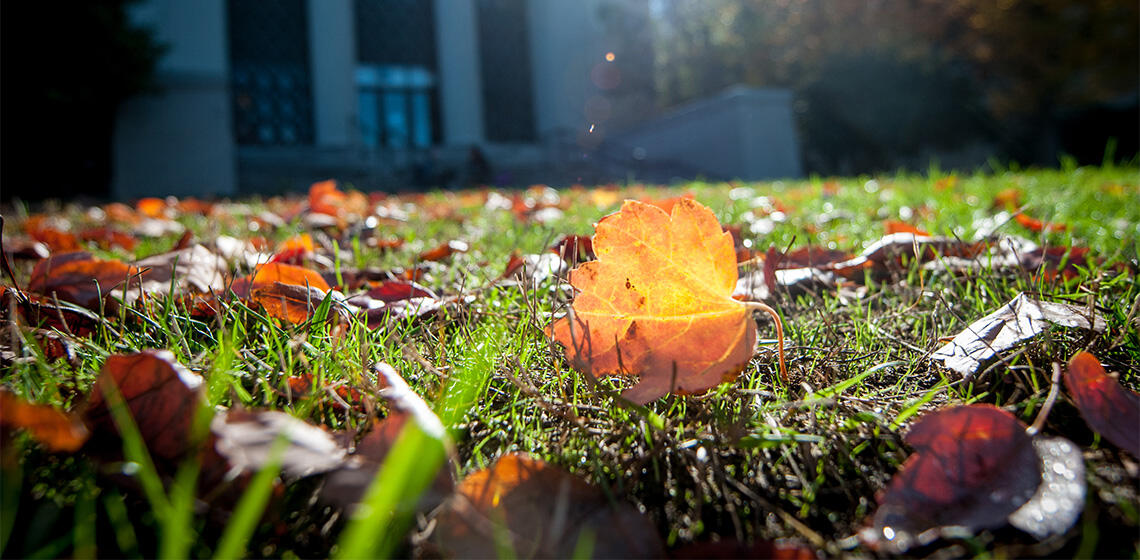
151	207
1033	224
443	251
658	303
895	226
288	302
288	274
53	428
324	197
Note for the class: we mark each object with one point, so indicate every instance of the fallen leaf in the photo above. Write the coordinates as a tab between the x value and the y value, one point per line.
58	240
895	226
294	250
658	303
1033	224
346	486
394	300
971	468
55	429
540	511
1060	498
152	207
107	237
246	439
288	302
161	394
268	274
79	278
443	251
1018	320
43	313
1107	407
194	270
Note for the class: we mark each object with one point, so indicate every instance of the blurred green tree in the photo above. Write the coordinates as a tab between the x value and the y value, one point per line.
1006	71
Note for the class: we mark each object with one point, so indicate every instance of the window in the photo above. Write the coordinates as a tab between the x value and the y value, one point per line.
269	72
395	106
396	74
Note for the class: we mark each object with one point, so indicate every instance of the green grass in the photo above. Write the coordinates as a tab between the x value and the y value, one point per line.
751	460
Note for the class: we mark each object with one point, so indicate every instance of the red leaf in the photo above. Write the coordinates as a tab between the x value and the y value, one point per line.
972	467
161	394
42	313
57	240
395	300
1107	407
54	429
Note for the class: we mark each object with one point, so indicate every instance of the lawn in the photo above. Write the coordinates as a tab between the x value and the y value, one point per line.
753	466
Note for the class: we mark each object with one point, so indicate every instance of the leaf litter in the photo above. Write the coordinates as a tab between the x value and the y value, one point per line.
345	462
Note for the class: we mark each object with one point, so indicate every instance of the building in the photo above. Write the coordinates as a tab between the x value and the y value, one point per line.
265	96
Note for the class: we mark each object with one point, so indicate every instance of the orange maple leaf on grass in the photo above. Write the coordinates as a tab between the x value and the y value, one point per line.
658	303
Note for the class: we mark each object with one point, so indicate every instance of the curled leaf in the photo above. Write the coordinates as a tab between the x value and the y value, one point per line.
1061	496
972	467
1018	320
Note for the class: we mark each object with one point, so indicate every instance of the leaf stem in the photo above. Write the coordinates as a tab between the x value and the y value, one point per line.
759	306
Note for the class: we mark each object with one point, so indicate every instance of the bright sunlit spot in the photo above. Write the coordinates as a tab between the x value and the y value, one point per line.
610	57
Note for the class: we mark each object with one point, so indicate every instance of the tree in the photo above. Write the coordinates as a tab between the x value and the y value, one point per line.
67	67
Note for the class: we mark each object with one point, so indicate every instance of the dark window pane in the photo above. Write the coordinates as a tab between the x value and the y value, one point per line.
269	72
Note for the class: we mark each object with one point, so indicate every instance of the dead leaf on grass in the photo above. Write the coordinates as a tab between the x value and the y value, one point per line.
1060	498
1021	319
79	278
658	303
56	430
1107	407
972	467
246	439
160	393
542	512
288	302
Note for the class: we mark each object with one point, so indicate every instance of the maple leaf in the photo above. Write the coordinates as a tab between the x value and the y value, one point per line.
658	303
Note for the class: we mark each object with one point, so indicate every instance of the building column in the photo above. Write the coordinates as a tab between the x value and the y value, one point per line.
332	55
460	86
180	141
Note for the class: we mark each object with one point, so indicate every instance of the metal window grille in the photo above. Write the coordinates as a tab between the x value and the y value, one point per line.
396	74
269	72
